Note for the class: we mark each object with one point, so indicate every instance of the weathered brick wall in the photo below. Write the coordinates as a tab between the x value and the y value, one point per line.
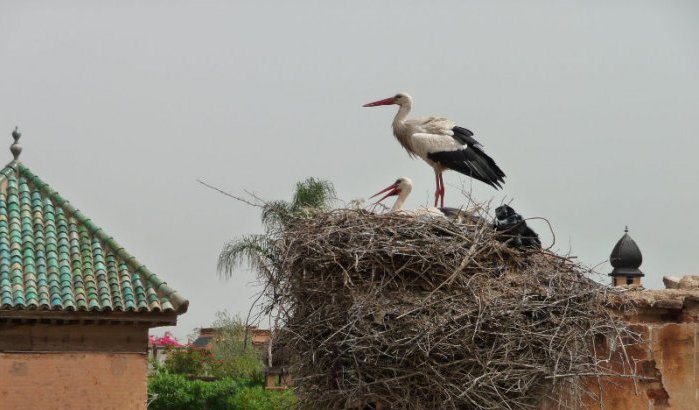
668	359
73	381
73	367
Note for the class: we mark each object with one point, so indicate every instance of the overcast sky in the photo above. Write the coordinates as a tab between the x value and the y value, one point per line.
590	107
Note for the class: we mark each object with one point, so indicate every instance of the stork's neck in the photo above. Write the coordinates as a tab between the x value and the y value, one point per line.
400	201
400	129
401	115
405	188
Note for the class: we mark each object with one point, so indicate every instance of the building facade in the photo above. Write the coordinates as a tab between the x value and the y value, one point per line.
75	306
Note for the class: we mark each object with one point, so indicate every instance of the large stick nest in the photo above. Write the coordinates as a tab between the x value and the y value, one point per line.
427	313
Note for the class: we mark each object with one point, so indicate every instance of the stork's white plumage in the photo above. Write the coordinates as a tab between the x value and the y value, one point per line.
443	145
402	188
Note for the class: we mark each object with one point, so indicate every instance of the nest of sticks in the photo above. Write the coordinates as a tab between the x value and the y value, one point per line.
423	313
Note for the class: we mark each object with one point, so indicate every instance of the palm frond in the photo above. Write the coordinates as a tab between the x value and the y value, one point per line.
257	251
275	214
313	193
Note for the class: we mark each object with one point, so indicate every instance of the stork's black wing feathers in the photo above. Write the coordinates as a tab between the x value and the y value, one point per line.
464	136
471	160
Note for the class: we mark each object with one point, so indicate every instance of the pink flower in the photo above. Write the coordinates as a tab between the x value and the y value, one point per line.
166	340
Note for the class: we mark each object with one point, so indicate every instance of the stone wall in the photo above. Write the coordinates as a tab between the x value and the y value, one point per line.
667	360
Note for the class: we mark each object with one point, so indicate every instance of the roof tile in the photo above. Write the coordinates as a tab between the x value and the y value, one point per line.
53	257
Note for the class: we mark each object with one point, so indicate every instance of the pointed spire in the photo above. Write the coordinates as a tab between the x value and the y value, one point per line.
626	229
16	148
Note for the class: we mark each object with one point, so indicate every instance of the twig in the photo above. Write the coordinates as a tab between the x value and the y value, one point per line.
259	204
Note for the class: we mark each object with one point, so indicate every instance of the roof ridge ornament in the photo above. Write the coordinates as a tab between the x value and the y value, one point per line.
16	148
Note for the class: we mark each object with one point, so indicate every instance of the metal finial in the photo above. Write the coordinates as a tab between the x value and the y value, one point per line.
16	148
626	229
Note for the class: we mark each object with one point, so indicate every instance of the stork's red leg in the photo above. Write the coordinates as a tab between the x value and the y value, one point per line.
437	190
441	189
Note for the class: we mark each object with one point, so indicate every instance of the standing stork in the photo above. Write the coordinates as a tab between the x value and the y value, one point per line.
443	145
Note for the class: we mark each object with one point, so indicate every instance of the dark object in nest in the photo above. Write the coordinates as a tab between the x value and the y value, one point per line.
514	230
430	313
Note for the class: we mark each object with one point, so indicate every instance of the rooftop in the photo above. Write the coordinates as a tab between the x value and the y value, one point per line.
54	258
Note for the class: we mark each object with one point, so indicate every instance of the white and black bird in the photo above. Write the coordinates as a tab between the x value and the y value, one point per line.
402	188
443	145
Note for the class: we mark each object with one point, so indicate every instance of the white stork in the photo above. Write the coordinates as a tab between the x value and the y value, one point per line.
443	145
402	188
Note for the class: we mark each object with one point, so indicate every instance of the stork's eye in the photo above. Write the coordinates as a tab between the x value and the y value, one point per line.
398	181
397	96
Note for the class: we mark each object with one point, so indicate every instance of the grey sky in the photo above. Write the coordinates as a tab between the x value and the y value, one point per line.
590	107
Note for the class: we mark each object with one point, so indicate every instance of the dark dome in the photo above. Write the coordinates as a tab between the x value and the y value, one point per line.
626	257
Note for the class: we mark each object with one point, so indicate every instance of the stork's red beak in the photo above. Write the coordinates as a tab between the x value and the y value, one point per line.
387	101
392	190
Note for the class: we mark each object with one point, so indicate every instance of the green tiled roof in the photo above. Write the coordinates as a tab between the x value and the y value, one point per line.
52	257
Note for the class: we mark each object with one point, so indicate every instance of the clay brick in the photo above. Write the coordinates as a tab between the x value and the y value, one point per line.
73	381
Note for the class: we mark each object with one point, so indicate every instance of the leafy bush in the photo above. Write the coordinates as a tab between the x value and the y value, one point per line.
188	361
257	398
233	355
175	392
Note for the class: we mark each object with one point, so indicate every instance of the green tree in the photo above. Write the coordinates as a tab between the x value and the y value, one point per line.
231	357
260	251
188	361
